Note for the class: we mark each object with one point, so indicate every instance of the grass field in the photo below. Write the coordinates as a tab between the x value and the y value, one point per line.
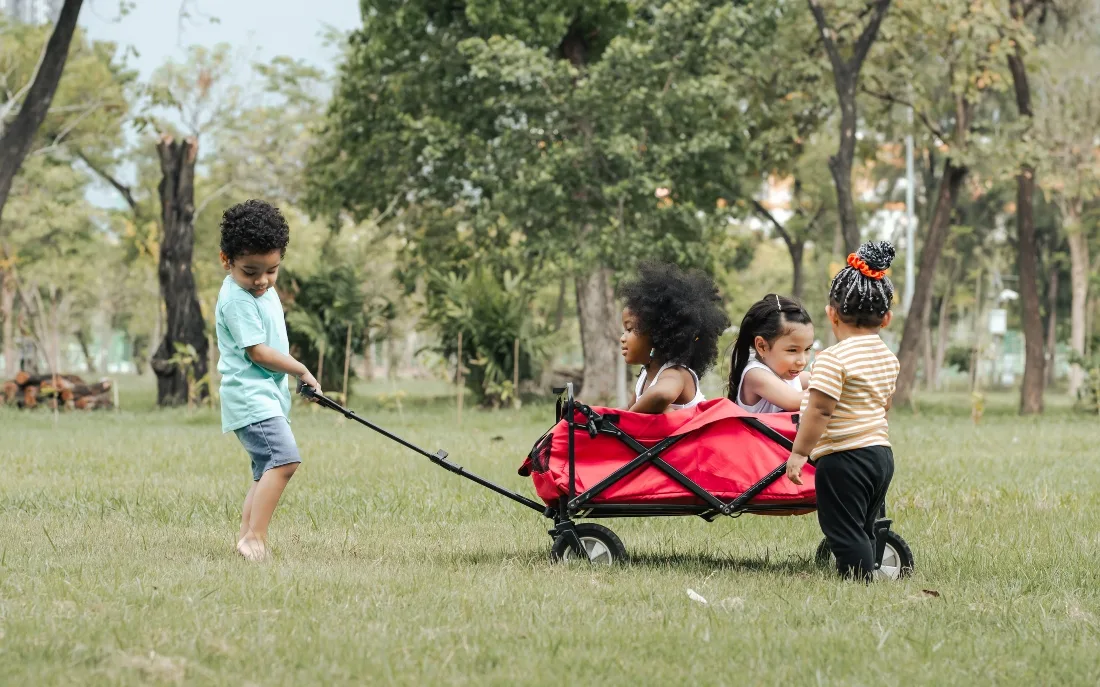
116	563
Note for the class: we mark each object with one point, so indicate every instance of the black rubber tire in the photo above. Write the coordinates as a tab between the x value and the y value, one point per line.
610	547
824	555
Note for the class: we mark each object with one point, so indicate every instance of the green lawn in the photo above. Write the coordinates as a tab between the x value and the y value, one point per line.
116	562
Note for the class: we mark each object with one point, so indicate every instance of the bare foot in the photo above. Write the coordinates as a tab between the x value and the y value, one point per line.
253	549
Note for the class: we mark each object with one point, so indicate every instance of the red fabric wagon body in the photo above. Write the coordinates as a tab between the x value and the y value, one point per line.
722	453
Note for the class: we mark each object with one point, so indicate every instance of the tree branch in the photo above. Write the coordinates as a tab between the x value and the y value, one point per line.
817	215
890	98
208	199
867	38
17	138
827	37
68	128
771	218
17	97
122	188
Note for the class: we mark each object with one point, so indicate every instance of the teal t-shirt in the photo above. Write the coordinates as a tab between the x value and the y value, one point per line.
249	393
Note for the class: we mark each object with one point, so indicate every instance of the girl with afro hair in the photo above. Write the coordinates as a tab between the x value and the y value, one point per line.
671	323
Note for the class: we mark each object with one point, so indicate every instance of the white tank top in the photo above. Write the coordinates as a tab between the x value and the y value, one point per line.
641	386
764	405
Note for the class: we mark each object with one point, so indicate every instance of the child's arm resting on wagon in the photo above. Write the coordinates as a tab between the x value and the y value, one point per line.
656	399
268	358
819	410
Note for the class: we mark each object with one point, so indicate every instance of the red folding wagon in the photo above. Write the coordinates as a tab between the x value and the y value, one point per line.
708	461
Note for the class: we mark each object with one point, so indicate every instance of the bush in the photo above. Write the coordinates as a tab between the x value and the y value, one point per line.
959	357
490	313
320	307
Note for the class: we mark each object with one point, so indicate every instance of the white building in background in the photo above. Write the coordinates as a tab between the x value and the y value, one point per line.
32	11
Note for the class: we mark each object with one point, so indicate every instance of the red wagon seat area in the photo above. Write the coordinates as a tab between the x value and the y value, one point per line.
722	454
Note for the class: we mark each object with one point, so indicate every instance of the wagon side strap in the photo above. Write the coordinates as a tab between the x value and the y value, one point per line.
769	432
658	462
739	503
645	455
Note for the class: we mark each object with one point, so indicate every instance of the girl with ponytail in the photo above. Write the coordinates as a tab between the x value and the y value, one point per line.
767	371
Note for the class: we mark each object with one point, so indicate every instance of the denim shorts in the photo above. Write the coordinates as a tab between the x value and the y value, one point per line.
270	443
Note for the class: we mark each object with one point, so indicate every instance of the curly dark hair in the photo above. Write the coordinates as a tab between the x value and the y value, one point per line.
681	313
862	300
253	227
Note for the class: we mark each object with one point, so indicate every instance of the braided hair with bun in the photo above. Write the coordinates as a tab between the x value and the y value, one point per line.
861	293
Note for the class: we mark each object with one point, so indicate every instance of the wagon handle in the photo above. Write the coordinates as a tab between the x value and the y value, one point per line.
439	457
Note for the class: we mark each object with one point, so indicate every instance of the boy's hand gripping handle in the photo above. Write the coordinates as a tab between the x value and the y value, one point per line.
306	391
310	394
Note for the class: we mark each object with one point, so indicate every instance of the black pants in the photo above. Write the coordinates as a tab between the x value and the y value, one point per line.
851	493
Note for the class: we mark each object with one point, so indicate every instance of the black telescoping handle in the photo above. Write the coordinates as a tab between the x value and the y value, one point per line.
324	401
439	457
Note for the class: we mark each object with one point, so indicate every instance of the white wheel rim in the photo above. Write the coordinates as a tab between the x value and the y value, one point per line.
891	564
597	551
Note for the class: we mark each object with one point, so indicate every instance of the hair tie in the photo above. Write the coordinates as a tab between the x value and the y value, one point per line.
778	305
858	263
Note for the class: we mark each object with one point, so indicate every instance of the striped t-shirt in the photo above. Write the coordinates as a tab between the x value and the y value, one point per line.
860	373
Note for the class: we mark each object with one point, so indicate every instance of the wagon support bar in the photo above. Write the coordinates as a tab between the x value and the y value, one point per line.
439	457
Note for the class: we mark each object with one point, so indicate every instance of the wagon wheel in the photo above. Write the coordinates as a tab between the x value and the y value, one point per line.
897	557
601	544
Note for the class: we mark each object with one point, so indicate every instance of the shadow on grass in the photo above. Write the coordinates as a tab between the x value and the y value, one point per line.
790	565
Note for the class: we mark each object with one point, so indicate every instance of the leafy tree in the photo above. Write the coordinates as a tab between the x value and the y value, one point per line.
1067	112
1031	390
87	109
33	99
59	248
784	79
942	59
599	132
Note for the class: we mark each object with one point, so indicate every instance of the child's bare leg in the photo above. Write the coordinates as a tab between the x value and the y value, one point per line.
246	512
264	499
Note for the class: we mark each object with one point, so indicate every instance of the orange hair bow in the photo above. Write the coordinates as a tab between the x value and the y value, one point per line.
858	263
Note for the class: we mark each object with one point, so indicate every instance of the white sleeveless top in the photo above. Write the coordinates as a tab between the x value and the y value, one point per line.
640	388
764	405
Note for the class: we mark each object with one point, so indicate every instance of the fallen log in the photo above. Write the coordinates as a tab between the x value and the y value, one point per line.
68	391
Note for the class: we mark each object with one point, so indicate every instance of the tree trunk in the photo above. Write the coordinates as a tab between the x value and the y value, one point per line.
559	311
89	359
1079	289
979	332
599	323
840	166
1031	391
177	284
1052	322
927	353
915	322
368	356
7	311
18	137
944	329
926	345
797	250
846	71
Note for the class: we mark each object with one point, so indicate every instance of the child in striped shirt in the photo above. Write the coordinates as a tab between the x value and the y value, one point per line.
843	424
